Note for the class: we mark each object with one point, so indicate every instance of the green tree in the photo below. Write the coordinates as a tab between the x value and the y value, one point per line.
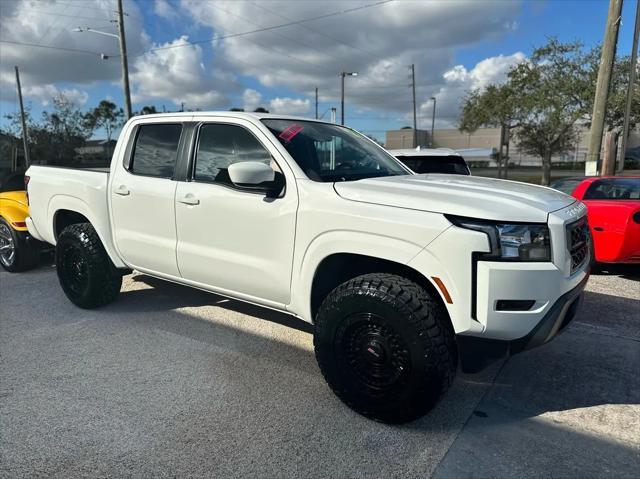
544	96
54	139
106	115
616	101
497	106
147	110
64	129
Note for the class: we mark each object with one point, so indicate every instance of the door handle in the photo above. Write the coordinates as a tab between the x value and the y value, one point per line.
189	200
121	190
598	228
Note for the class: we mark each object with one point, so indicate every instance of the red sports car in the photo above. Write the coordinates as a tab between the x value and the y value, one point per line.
613	204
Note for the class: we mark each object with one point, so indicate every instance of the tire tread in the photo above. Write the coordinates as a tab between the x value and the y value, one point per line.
427	316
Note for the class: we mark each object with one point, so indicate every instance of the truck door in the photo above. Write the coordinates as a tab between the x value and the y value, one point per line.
230	239
143	199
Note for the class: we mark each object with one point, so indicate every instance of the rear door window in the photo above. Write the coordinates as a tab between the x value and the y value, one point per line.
156	150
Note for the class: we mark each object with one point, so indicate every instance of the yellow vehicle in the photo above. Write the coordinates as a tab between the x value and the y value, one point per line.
18	250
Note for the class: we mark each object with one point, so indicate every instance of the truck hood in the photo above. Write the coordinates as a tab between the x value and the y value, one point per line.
469	196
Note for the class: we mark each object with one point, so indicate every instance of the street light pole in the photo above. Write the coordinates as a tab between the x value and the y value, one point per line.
415	116
342	75
123	56
433	119
125	62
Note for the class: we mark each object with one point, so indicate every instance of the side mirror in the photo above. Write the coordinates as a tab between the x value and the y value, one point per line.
250	173
255	175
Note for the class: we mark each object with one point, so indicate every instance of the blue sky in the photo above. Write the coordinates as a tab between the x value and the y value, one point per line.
456	45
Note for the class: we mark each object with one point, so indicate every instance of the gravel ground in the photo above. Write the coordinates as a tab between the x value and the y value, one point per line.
173	382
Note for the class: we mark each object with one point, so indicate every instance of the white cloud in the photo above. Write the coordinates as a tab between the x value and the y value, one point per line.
44	94
164	9
458	81
178	74
51	24
378	42
289	106
251	99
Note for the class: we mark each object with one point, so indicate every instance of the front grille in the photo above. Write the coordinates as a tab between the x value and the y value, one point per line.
578	242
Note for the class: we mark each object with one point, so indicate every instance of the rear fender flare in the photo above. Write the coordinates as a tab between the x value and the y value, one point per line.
101	225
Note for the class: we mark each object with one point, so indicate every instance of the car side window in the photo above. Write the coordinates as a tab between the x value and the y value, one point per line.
220	145
156	150
614	189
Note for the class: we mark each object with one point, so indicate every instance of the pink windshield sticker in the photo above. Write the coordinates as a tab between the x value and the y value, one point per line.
288	133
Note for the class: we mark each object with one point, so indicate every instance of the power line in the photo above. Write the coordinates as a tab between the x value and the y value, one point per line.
36	45
266	29
314	30
277	50
56	14
295	40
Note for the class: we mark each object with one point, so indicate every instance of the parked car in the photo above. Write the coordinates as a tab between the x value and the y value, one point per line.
18	250
437	160
399	273
613	204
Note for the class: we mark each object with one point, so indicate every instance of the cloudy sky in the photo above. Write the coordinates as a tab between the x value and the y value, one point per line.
274	53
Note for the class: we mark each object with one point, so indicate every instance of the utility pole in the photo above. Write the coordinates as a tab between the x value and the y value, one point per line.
433	120
316	103
125	62
342	75
25	143
332	151
415	117
602	87
631	86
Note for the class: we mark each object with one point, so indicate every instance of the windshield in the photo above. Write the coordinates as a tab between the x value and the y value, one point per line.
450	164
328	153
567	185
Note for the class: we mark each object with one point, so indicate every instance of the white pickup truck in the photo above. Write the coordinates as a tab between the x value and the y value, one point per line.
401	274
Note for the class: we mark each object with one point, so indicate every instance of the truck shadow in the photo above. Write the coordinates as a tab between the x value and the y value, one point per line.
543	395
626	271
593	363
163	295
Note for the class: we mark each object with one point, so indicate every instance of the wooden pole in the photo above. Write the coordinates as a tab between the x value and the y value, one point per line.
125	62
23	121
630	87
602	87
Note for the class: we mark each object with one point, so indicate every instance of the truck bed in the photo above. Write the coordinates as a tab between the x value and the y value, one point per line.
53	189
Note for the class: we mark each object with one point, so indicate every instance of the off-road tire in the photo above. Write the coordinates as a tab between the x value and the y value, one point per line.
386	347
25	256
85	271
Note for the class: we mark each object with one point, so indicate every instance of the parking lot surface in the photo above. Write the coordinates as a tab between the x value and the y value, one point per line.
174	382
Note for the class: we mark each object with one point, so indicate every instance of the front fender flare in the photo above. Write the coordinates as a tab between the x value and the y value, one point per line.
341	241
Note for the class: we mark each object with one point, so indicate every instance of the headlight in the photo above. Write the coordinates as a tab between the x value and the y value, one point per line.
511	242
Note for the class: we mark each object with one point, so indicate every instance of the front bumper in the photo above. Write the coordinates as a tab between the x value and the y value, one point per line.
477	352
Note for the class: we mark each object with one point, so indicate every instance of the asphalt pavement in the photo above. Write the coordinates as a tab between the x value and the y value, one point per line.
173	382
